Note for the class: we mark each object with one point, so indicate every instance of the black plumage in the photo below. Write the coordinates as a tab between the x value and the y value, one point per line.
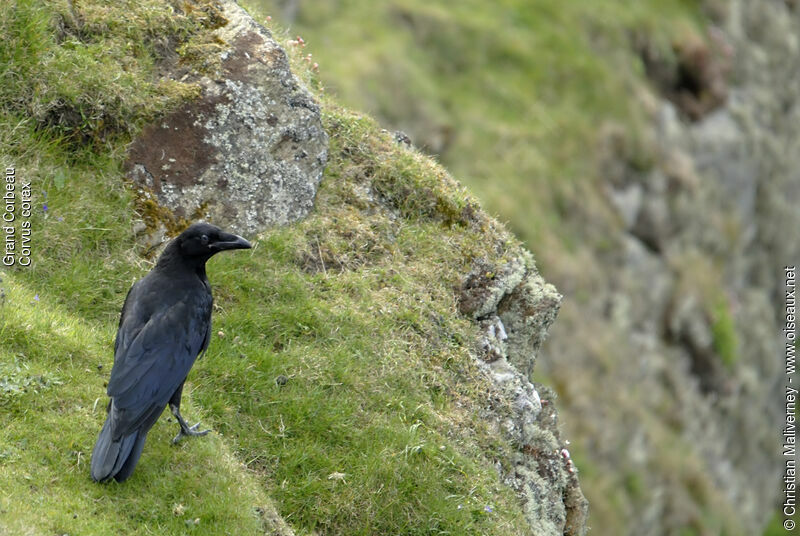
164	327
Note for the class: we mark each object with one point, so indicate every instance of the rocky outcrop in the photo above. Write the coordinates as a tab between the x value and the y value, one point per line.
249	152
515	307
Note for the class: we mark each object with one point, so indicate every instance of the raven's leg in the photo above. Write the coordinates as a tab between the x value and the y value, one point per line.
186	430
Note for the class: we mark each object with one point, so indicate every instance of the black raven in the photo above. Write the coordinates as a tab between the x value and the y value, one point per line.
164	326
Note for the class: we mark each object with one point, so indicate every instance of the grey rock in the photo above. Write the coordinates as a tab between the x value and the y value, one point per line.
527	312
721	149
628	202
514	308
690	326
403	138
640	273
493	344
653	225
249	152
486	285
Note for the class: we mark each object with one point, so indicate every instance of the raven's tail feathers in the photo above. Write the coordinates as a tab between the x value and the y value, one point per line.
115	459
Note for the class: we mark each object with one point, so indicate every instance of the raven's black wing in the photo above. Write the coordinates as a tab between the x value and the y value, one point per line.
154	353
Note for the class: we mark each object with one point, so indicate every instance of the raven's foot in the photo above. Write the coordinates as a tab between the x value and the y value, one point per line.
188	431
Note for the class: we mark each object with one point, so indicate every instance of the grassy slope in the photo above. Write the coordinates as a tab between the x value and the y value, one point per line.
375	429
57	329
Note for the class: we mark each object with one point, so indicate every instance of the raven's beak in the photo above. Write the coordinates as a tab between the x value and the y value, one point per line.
231	241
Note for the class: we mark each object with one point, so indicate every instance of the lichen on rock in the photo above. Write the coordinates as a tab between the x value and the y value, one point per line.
515	307
249	152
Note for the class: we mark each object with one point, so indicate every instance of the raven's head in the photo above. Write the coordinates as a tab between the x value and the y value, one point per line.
202	240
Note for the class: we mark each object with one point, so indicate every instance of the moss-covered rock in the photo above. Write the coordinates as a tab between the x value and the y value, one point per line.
248	152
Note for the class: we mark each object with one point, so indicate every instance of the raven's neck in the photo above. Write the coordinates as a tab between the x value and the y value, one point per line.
171	260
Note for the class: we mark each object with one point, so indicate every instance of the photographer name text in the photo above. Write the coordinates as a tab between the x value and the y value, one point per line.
791	395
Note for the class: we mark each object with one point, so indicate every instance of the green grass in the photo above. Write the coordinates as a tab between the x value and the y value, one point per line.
374	354
376	427
53	355
723	330
775	527
87	72
373	349
512	96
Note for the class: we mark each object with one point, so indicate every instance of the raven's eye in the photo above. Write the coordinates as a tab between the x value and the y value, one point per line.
204	239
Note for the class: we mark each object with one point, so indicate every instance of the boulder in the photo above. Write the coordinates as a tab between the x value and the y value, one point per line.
247	153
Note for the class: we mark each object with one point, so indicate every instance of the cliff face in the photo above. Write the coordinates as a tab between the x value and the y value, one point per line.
684	314
668	246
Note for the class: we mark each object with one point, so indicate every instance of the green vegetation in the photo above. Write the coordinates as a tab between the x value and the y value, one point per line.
723	329
87	72
47	438
511	95
699	277
357	314
775	527
372	427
